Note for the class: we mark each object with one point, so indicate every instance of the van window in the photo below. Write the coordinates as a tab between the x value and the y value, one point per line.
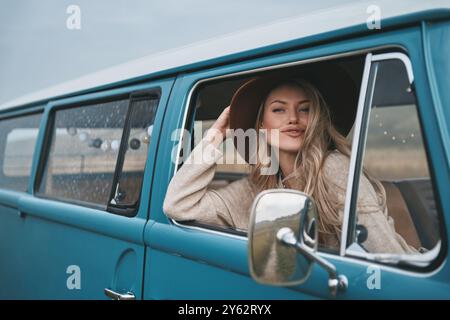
17	142
97	153
137	136
395	155
84	147
209	100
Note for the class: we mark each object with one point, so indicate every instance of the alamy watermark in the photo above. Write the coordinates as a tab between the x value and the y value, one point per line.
373	22
374	280
73	21
261	146
74	279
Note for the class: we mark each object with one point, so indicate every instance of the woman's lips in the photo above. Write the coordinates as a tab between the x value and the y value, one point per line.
294	133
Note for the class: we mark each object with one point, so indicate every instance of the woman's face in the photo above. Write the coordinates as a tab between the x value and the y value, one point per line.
287	110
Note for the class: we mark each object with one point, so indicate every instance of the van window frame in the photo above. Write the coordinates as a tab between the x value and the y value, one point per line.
81	102
47	142
187	124
357	156
129	210
377	50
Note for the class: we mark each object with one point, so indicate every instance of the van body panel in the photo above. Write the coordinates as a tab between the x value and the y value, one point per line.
52	249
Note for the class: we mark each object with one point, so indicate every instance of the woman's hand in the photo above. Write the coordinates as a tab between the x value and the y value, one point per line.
218	131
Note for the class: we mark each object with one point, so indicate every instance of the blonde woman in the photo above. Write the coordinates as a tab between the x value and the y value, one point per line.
313	157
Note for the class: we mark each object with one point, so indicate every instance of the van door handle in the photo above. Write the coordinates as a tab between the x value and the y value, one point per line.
119	296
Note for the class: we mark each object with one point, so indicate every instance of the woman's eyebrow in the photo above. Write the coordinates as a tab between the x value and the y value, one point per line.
284	102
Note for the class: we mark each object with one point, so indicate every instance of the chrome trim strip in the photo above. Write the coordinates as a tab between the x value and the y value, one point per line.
418	259
399	56
388	268
220	233
354	154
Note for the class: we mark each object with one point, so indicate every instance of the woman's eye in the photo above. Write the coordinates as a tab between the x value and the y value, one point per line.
277	110
304	109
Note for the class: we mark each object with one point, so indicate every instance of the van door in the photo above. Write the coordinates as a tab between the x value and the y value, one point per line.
190	262
401	143
77	232
185	261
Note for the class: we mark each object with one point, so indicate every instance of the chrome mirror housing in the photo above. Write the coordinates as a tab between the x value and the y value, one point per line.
283	240
276	215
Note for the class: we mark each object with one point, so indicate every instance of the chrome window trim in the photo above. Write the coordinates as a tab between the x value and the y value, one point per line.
211	231
354	153
382	267
415	260
397	56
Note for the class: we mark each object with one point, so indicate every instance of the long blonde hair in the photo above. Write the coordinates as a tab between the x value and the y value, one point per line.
320	139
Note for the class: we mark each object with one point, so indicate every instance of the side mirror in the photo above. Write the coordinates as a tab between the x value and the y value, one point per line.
283	240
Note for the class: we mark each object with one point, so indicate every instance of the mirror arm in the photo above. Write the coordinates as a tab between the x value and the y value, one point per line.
335	282
330	268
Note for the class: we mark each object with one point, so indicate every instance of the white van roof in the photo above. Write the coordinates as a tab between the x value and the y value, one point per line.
308	24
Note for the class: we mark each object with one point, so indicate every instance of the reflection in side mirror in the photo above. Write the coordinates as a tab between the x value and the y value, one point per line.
275	212
283	240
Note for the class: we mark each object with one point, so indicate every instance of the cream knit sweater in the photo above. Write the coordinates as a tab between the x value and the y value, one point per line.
189	198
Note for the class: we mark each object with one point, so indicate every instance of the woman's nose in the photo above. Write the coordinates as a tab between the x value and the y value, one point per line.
293	117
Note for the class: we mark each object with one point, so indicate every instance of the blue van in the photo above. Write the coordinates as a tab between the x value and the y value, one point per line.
85	167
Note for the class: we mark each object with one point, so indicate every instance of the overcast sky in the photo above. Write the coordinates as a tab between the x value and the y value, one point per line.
37	49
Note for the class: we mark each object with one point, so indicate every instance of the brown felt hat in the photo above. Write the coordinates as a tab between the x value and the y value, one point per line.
334	83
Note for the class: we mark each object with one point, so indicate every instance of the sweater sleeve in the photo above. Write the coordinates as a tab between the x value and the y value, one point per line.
189	198
381	234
